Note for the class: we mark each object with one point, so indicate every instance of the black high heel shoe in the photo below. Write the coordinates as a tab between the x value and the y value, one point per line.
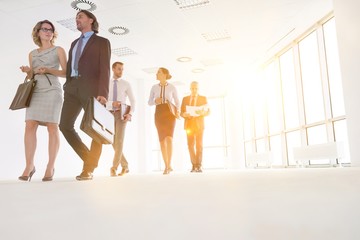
27	178
48	179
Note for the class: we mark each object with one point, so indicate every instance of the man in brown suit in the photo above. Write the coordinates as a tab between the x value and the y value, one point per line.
87	75
194	124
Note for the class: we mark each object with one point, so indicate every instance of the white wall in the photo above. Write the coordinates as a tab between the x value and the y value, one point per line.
347	19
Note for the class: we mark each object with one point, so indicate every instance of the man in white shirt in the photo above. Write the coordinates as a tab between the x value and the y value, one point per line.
119	90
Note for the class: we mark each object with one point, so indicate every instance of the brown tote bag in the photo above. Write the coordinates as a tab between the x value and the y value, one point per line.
23	94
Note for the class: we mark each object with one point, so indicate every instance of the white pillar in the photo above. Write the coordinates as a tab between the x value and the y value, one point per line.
347	19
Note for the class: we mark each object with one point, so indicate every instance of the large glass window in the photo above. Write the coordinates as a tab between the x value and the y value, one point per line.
311	79
274	100
259	106
301	86
289	90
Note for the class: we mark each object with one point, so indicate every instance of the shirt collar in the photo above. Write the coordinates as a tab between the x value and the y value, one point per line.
163	85
88	34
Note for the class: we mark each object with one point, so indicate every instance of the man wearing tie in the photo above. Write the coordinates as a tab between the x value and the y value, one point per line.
120	89
193	109
87	75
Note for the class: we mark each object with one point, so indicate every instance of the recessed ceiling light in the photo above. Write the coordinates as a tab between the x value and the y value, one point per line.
184	59
216	35
117	30
198	70
83	5
124	51
69	23
188	4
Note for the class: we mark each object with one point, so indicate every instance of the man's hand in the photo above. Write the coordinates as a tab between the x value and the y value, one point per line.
101	99
127	117
116	104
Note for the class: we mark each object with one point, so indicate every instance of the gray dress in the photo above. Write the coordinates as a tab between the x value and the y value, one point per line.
47	99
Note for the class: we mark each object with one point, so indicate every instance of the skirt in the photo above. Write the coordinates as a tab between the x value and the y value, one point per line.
164	121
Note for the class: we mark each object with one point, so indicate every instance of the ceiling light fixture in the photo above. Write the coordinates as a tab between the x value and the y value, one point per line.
184	59
188	4
117	30
198	70
83	5
69	23
216	35
123	51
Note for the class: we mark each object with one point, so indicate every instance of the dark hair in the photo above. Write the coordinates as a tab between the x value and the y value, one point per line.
116	63
95	24
36	29
166	72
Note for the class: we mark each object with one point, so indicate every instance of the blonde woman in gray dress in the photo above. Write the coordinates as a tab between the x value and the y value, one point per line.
47	63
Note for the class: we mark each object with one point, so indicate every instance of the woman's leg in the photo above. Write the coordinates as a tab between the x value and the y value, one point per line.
168	141
30	145
164	153
54	144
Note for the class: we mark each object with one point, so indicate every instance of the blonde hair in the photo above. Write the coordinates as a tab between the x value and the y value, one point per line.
36	29
166	72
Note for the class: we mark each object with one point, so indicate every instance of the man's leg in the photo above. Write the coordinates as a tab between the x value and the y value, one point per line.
191	145
70	111
199	149
119	141
93	157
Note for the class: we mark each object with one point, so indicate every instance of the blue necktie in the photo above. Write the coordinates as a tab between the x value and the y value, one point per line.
115	91
78	52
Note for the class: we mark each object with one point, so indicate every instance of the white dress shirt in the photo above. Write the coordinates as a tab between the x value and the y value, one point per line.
171	94
123	91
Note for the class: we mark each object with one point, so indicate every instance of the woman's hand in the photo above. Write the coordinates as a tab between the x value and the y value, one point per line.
25	69
41	70
158	100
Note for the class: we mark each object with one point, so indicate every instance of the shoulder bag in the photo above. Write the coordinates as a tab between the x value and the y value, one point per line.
23	94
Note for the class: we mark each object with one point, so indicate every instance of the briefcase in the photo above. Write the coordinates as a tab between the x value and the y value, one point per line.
97	122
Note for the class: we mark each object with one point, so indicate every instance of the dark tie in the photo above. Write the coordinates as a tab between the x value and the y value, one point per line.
192	101
78	52
115	91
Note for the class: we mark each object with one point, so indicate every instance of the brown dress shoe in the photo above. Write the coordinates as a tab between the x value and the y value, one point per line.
113	172
85	175
123	172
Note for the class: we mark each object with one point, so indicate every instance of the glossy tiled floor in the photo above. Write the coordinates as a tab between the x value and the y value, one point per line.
249	204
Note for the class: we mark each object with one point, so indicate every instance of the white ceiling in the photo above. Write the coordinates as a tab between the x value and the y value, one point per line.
160	32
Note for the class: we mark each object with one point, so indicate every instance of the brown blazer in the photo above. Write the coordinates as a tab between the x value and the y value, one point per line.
94	66
193	123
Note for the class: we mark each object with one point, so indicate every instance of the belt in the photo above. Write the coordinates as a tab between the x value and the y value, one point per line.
74	77
114	111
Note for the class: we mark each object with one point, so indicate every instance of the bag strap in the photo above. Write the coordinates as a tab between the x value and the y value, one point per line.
45	76
48	79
